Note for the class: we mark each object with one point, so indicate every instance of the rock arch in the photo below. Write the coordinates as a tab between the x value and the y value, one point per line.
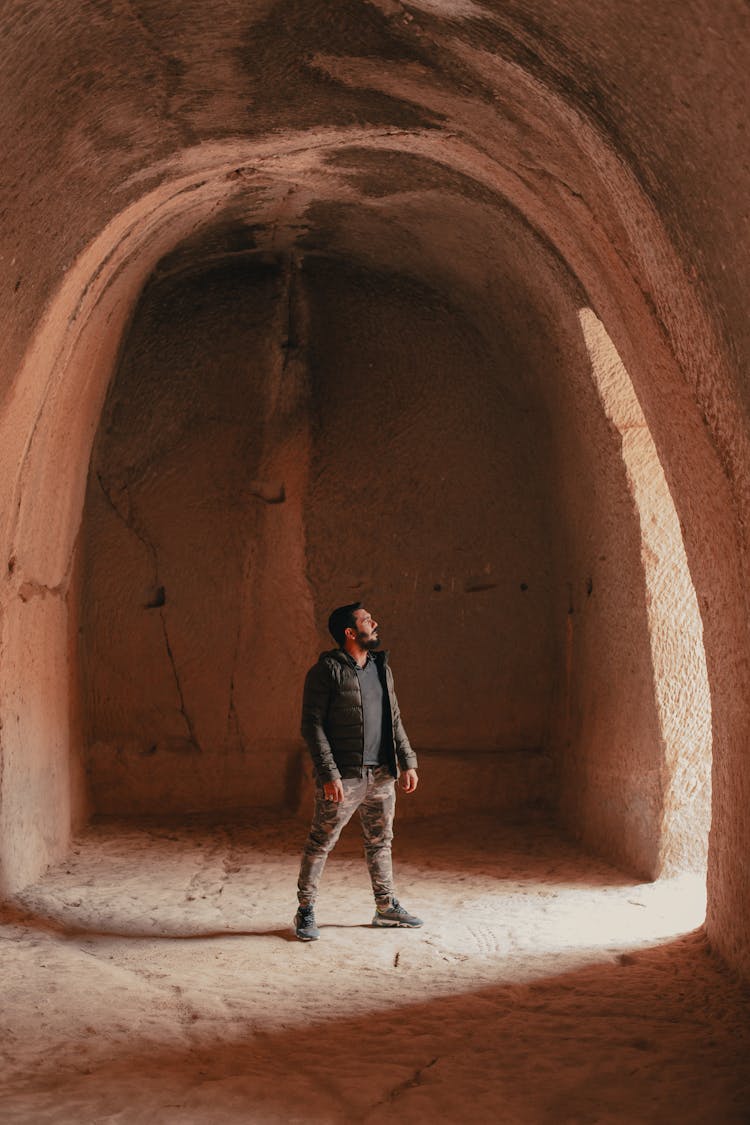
478	135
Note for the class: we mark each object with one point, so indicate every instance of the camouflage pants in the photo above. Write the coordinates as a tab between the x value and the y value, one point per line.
375	797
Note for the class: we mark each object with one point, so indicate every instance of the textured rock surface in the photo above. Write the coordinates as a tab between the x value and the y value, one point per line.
458	180
235	496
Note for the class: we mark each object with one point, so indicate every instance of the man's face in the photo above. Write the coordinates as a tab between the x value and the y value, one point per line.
366	629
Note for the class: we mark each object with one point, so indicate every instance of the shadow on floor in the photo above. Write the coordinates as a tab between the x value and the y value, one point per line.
50	924
657	1036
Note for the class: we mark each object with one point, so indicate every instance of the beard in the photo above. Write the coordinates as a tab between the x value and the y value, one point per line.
369	643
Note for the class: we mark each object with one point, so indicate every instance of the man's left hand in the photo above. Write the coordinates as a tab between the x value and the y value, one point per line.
409	781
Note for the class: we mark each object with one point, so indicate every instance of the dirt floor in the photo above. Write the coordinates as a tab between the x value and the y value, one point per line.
154	978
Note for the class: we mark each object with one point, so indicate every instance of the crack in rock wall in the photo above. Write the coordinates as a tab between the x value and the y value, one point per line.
193	596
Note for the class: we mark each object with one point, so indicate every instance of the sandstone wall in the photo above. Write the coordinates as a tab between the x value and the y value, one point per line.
236	494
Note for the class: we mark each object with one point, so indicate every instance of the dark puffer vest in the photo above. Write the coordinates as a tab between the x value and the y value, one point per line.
332	721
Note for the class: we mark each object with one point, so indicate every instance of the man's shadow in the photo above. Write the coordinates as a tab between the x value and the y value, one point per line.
11	915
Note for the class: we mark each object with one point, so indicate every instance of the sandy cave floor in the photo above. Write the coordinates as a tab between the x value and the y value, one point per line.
153	977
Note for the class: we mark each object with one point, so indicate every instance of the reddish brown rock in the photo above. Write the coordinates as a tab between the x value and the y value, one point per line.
291	314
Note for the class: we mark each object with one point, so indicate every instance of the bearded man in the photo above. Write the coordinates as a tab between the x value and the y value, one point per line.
352	726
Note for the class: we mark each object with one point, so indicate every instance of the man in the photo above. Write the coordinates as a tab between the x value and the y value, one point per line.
352	726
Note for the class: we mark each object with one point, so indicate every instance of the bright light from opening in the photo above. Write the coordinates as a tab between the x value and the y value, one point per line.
681	688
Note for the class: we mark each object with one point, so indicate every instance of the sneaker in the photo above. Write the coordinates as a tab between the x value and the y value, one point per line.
304	924
395	915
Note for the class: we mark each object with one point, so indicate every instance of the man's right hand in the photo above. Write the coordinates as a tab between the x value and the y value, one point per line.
333	790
